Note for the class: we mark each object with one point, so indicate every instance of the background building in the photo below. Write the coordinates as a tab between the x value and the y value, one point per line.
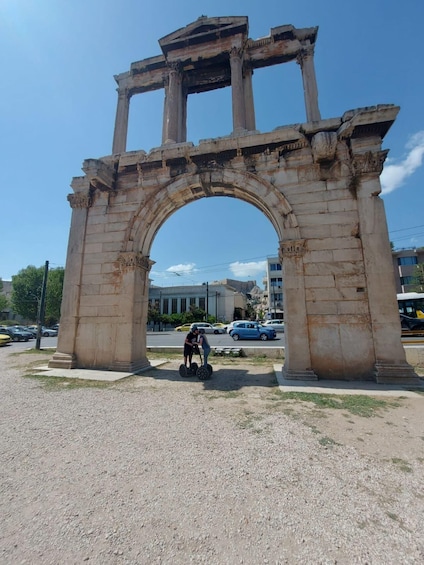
217	299
405	262
274	289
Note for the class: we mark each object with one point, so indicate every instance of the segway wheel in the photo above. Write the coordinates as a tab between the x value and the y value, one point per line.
183	371
203	373
210	369
193	368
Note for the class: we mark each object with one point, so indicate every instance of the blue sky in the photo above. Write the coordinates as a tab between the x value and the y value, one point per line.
58	103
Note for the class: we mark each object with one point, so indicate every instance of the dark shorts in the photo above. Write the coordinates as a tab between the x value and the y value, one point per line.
187	350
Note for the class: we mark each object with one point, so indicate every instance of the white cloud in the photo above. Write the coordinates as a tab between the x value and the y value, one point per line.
182	269
248	269
394	175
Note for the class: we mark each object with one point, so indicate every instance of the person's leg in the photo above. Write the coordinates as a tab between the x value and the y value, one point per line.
205	356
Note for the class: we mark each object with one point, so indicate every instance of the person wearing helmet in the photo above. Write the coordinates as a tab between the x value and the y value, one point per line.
190	343
205	346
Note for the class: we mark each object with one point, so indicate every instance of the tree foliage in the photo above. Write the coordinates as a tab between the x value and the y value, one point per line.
3	299
418	278
26	293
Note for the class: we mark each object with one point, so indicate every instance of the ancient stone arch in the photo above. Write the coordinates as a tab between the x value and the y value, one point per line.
317	183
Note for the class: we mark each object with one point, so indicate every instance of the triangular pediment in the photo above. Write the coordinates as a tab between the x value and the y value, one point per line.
204	29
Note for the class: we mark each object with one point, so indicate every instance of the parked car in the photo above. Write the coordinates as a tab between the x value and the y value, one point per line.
278	325
252	330
18	335
221	327
209	328
4	338
183	328
24	329
412	324
48	332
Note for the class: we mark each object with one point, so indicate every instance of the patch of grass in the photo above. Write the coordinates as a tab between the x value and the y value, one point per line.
55	384
357	404
327	442
402	464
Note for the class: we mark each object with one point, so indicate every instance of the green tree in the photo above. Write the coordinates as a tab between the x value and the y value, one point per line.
54	293
418	278
26	293
3	300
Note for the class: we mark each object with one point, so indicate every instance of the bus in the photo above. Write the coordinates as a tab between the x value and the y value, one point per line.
411	304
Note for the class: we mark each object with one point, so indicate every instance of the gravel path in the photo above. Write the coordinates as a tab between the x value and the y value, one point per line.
156	469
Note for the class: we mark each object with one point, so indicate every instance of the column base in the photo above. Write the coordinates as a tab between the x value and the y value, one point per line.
63	361
306	375
392	373
130	366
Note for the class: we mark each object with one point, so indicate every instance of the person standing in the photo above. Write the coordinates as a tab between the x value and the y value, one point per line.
205	346
190	343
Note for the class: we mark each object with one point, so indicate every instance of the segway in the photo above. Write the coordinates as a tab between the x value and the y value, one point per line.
188	371
203	373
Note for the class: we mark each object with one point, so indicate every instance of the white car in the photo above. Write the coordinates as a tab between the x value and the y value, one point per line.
209	328
278	325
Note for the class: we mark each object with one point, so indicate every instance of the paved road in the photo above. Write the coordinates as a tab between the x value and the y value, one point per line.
168	339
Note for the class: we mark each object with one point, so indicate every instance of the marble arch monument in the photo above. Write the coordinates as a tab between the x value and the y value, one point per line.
317	182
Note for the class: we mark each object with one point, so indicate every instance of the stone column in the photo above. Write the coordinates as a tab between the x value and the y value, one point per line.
390	360
130	347
80	203
297	365
238	103
248	99
121	121
173	106
310	89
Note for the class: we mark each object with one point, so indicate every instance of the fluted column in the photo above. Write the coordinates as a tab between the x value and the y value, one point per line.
237	92
310	89
172	124
248	100
121	121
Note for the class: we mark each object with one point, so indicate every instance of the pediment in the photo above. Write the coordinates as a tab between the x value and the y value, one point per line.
204	29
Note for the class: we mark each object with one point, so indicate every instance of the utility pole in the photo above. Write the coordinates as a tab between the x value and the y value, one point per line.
207	302
42	306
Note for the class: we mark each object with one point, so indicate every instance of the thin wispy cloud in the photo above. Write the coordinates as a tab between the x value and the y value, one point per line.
394	174
250	269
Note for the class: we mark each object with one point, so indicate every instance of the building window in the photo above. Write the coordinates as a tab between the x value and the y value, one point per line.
202	303
192	301
406	280
174	306
277	282
183	304
275	267
165	306
407	261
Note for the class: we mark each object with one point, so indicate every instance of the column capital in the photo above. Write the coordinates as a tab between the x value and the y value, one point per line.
80	200
305	52
131	260
292	248
369	162
236	53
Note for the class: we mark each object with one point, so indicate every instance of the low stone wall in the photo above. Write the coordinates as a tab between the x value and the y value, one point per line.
245	351
415	355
